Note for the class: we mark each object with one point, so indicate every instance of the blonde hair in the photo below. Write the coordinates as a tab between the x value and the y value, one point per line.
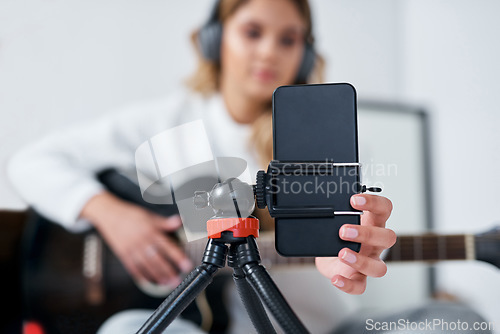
205	79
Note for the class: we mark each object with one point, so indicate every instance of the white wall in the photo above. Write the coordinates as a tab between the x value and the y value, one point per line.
451	64
359	39
62	62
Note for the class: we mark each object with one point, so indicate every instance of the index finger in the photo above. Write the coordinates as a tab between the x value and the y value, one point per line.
376	209
175	253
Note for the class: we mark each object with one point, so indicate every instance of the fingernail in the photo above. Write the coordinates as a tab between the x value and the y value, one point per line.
338	283
175	281
349	257
186	266
173	221
359	200
349	233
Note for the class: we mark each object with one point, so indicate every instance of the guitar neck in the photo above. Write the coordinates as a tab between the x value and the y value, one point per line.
432	247
426	247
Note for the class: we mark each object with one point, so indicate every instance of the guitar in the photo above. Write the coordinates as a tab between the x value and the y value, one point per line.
75	278
58	284
72	282
437	247
408	248
427	247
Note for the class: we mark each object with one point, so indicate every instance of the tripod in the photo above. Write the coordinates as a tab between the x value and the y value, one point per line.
253	282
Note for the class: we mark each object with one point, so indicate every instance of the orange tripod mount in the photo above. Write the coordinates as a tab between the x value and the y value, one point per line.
240	227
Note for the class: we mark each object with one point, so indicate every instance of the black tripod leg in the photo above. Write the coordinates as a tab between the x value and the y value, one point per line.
273	299
214	258
245	255
179	299
252	303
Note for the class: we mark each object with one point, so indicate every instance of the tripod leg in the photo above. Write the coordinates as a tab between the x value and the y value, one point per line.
179	299
245	255
214	258
273	299
252	304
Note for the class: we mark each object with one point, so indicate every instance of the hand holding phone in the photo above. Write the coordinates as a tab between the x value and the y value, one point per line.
315	168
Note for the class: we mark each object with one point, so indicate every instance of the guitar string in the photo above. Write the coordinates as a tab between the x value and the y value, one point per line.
429	246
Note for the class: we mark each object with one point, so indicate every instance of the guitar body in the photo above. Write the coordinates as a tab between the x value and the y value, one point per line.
55	289
63	298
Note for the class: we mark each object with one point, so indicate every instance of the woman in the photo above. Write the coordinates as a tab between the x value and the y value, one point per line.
262	47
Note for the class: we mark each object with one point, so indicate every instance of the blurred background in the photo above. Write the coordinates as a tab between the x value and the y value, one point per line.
64	62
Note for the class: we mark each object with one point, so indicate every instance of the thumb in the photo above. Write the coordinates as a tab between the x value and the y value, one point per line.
171	223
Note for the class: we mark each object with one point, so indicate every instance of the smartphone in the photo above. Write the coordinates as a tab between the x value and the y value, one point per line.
315	135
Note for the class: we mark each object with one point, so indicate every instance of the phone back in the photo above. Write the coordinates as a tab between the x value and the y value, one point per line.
315	124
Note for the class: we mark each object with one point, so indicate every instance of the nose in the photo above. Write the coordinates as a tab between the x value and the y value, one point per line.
268	49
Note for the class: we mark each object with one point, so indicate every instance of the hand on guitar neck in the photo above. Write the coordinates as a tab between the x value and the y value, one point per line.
137	237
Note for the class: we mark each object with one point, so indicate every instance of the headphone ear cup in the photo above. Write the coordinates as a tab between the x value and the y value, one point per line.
209	41
307	65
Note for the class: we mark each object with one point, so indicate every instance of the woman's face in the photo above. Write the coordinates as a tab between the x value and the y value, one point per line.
262	47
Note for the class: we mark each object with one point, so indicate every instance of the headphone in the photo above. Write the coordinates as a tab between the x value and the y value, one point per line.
210	38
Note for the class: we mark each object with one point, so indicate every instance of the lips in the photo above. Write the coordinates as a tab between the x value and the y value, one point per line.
265	75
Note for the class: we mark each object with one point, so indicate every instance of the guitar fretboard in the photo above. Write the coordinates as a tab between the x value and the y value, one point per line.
427	247
430	247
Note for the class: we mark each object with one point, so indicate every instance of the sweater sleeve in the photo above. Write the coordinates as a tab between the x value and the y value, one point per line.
56	175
